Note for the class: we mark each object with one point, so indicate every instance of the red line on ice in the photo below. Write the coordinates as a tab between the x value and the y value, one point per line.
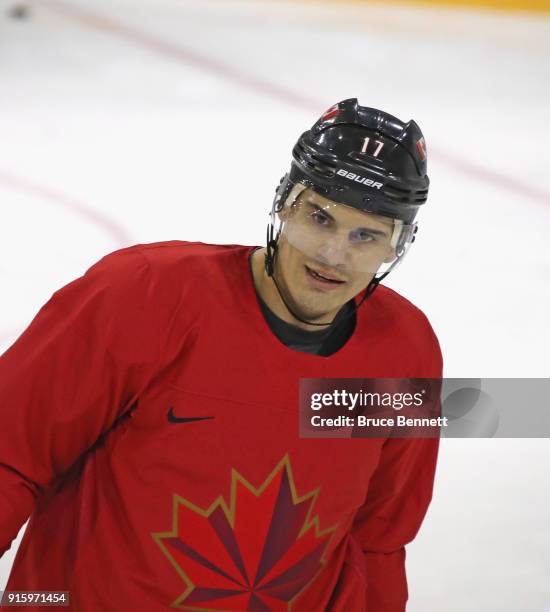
117	232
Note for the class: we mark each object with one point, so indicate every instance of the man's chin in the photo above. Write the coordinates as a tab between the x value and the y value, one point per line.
313	312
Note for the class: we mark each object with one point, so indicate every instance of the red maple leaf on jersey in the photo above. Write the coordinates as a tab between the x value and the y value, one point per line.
256	554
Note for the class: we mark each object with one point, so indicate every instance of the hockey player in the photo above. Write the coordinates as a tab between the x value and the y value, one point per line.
149	411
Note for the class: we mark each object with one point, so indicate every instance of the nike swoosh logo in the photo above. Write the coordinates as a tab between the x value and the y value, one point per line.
172	418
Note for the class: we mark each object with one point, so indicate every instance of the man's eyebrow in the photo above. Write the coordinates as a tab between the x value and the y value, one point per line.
376	232
317	208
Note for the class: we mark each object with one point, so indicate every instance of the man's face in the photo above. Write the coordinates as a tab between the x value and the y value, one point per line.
321	238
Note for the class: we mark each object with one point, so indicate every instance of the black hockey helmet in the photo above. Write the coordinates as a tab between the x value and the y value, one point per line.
362	157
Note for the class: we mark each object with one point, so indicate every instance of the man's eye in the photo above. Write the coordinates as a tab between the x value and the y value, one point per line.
320	218
361	236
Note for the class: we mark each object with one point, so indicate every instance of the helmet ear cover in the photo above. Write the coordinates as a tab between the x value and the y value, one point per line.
293	194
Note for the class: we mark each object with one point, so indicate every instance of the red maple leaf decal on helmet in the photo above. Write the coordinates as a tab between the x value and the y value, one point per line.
258	553
421	148
332	112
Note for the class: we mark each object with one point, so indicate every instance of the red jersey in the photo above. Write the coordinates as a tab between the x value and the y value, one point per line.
150	431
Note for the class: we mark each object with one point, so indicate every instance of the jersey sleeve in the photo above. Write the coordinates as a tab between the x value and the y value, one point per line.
398	498
399	493
76	368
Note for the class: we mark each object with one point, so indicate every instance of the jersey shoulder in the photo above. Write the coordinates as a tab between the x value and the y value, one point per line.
399	306
173	273
412	325
191	255
179	256
172	284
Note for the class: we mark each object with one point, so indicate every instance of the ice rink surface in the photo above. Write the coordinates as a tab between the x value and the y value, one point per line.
133	121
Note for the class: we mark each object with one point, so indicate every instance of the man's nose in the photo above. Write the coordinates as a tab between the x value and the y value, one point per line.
334	251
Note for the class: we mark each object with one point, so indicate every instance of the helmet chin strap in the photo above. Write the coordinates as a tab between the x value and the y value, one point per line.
270	258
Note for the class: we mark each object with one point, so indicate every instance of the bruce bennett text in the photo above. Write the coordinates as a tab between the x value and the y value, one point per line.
363	421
